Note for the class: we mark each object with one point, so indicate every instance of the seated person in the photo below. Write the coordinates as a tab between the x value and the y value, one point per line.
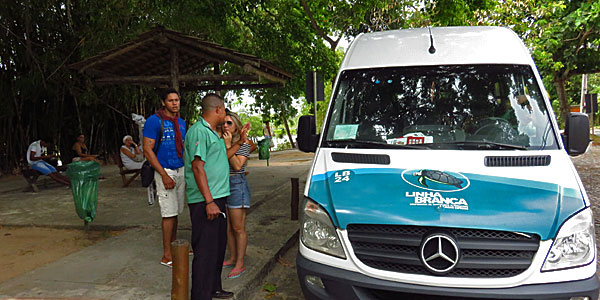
80	150
35	158
131	155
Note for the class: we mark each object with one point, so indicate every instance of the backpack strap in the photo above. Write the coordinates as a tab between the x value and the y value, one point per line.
162	128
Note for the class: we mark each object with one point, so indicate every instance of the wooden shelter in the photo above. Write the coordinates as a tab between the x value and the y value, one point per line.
166	58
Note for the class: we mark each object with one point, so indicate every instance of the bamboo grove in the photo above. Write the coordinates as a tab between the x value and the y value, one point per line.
42	98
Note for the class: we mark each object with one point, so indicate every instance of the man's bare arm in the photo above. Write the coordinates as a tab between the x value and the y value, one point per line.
32	156
153	160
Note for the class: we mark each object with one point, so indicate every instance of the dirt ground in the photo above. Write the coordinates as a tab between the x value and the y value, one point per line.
23	249
27	248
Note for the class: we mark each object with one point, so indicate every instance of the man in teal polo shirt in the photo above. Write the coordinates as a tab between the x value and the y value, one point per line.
207	179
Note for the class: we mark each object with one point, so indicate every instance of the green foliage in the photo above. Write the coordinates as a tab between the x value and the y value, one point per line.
268	287
594	83
322	106
256	124
286	41
40	38
457	12
283	146
564	37
45	99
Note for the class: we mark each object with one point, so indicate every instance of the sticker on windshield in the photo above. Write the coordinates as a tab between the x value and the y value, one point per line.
411	139
345	131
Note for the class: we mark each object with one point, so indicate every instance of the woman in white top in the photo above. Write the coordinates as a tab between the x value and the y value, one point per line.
131	155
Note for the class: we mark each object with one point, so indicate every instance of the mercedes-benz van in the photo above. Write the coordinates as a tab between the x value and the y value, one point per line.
441	173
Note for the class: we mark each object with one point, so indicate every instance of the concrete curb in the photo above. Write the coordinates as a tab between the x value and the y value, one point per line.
248	288
271	232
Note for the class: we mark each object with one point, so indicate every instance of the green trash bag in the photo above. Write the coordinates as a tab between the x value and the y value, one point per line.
263	149
84	184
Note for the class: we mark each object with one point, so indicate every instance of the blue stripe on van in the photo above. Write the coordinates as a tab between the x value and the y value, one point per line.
382	196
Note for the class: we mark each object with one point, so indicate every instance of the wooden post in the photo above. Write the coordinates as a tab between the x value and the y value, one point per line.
180	284
287	130
175	69
218	83
295	200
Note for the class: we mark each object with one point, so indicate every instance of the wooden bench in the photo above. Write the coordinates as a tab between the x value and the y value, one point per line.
31	176
124	172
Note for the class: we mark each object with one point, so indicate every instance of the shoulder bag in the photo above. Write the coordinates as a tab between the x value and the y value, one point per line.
147	172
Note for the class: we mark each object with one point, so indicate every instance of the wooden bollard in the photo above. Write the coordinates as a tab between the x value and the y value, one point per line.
295	200
181	268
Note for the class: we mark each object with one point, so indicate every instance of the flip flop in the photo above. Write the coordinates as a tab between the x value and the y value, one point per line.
235	273
226	265
167	264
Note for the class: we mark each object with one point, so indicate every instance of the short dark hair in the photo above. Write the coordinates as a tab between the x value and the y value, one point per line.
165	93
213	95
48	142
211	101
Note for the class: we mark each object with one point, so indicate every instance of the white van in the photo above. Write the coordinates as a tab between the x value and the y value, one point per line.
440	173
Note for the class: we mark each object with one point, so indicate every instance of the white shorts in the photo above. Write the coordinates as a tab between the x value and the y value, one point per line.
171	201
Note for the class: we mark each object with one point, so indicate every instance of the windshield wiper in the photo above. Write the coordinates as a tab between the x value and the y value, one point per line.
481	145
353	143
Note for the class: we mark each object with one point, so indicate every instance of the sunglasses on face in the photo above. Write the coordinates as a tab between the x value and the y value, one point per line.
229	123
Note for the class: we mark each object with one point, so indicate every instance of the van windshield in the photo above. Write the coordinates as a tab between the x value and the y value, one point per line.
480	107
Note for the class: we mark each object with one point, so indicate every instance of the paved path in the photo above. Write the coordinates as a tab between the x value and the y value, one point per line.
126	266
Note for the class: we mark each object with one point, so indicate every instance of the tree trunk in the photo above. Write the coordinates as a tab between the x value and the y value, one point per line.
559	82
287	129
78	115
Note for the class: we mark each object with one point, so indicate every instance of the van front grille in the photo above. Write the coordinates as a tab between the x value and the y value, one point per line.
484	253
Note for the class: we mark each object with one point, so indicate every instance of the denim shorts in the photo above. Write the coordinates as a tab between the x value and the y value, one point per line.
240	192
43	167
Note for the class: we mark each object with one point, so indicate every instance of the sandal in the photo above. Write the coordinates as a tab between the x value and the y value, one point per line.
235	273
168	264
226	265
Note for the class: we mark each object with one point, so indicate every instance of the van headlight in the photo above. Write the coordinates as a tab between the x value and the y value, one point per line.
317	231
574	244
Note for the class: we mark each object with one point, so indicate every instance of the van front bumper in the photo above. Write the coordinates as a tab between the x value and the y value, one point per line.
347	285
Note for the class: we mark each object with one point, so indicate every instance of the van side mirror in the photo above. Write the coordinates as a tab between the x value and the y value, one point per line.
577	133
308	139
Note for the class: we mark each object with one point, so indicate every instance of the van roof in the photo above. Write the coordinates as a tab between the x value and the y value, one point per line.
454	46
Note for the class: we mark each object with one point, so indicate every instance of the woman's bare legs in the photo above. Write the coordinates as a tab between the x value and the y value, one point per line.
237	217
230	241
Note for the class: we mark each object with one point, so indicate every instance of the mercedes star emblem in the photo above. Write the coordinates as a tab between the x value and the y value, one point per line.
439	253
